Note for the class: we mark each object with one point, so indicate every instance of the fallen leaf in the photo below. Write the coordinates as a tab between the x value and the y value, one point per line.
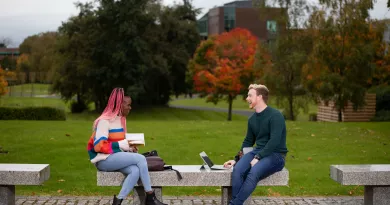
350	192
59	191
313	135
309	158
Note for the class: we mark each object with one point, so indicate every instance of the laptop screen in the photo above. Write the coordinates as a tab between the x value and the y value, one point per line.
206	159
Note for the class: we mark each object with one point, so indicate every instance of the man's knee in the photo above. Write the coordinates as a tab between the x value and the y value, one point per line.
254	177
238	171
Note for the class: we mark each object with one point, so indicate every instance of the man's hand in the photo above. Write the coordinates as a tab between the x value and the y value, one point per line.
254	161
229	164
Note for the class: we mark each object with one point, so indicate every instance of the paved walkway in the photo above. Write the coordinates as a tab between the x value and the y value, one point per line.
214	200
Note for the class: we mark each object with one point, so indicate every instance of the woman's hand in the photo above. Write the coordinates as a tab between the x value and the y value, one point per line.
133	149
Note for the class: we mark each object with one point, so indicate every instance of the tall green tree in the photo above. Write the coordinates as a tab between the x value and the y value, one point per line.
181	37
343	60
138	45
76	38
282	60
40	50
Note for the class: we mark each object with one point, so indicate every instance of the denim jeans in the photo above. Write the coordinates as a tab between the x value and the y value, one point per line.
245	177
131	164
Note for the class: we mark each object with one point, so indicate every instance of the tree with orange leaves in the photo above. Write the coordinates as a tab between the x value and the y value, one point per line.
3	80
222	66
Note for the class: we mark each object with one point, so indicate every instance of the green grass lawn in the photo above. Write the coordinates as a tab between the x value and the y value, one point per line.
6	101
179	136
238	104
29	89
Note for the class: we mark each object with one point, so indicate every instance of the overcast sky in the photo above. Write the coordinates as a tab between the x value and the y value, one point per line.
22	18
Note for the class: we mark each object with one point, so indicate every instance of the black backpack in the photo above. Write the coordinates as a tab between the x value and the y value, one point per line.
156	163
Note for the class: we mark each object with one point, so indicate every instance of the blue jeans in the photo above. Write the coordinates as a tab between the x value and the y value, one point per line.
245	177
133	165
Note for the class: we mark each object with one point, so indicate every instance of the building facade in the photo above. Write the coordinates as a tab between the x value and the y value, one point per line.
12	53
263	23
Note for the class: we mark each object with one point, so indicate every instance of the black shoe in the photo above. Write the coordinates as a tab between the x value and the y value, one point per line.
116	201
151	199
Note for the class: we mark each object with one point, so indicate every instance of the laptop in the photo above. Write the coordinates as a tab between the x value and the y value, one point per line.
209	163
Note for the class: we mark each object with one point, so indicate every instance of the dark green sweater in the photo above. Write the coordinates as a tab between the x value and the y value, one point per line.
268	130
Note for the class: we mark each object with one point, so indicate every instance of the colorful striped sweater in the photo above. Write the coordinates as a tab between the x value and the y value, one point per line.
106	139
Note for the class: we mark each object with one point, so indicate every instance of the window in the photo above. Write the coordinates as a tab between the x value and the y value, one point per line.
230	18
271	26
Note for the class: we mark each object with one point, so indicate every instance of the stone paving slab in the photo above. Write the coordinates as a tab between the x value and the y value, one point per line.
183	200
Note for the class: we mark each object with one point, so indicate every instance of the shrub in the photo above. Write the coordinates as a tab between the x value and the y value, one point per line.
32	113
78	106
313	117
382	97
383	115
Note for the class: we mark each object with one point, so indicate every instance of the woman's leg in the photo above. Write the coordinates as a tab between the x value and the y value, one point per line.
131	179
120	160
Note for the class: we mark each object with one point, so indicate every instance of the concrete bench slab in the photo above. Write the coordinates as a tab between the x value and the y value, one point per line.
192	176
20	174
375	179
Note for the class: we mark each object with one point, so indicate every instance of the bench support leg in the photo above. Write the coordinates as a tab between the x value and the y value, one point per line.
7	195
227	196
376	195
139	194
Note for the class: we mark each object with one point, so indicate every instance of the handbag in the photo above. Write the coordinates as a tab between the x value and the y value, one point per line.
156	163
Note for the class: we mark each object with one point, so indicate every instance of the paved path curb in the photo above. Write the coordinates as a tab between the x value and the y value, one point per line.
194	200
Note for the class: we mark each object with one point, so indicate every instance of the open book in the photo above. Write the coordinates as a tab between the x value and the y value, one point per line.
136	138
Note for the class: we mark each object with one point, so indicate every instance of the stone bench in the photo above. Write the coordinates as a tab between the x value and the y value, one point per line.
374	178
192	176
20	174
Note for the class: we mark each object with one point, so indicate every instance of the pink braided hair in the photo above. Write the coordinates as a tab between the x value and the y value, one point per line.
113	108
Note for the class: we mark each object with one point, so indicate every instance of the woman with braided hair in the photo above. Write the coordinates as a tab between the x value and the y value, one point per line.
109	150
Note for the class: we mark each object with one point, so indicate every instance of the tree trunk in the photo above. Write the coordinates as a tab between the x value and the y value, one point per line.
96	105
339	109
78	96
230	100
340	115
102	104
290	105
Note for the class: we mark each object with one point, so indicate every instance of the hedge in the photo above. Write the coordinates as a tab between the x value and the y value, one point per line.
32	113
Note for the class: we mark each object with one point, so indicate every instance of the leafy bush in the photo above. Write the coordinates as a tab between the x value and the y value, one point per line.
78	107
383	115
382	97
313	117
32	113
